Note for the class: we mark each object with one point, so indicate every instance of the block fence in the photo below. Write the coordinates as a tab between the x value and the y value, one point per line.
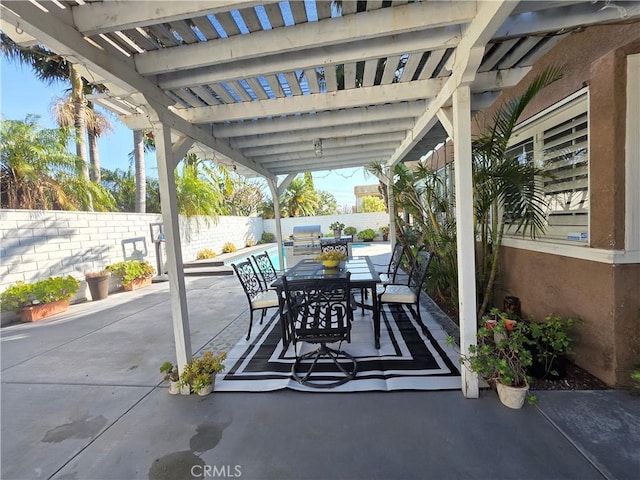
37	244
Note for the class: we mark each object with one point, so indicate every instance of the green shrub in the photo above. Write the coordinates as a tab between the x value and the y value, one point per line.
205	253
367	234
267	237
350	231
48	290
131	270
229	248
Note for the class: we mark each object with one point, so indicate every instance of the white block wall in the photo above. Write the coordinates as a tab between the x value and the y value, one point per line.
39	244
358	220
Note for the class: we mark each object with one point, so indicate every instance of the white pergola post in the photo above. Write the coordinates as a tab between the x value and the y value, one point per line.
167	157
276	212
464	231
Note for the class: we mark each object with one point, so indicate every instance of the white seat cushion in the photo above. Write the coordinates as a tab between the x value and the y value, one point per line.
265	300
398	294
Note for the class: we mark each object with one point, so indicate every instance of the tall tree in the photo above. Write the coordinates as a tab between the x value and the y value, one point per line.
138	160
38	172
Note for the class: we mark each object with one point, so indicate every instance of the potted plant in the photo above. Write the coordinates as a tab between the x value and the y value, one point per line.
551	343
367	235
35	301
199	375
172	376
351	231
331	258
384	231
337	229
502	363
133	274
98	284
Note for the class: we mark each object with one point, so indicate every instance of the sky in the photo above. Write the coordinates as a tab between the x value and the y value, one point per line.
21	93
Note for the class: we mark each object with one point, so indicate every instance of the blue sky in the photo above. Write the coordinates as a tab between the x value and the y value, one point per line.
21	93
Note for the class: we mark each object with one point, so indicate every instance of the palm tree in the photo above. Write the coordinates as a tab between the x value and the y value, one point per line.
64	111
38	172
300	198
138	160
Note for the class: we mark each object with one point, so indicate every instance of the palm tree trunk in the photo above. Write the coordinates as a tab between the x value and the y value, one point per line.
79	122
94	156
141	181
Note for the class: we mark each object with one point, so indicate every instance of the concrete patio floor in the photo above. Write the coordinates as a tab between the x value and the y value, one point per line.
82	398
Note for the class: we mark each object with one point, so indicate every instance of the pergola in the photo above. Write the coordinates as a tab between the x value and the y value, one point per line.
274	89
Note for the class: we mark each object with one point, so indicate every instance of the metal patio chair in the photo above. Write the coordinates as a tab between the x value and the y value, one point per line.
409	293
267	271
319	312
259	298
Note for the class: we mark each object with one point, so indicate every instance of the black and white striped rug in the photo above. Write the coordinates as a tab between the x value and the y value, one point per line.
410	357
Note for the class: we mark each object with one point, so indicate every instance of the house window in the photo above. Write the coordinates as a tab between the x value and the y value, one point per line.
557	140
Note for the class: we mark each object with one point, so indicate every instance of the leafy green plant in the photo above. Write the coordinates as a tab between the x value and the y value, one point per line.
384	230
205	253
49	290
198	373
367	234
350	231
551	340
130	270
267	237
229	248
170	372
505	360
336	226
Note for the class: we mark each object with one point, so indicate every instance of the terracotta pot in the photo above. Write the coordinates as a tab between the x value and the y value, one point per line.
512	397
137	284
99	287
38	312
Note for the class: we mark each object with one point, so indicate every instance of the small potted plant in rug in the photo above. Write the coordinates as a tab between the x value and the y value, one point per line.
98	283
133	274
337	229
199	375
41	299
172	376
502	363
331	258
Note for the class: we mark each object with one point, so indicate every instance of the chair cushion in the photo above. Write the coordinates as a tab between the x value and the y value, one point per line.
398	294
265	300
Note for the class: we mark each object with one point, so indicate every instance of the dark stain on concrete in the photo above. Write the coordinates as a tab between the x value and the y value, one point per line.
133	367
177	465
207	437
81	427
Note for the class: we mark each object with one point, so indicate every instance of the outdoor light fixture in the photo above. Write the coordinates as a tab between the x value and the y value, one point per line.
317	146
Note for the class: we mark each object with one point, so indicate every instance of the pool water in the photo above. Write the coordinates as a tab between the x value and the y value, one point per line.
273	255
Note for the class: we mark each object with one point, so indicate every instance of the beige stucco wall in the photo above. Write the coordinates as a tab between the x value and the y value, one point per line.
605	296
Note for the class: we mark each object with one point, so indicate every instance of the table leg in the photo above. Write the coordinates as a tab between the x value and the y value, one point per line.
376	318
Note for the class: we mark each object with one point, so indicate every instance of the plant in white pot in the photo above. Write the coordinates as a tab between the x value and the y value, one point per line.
504	362
172	376
199	375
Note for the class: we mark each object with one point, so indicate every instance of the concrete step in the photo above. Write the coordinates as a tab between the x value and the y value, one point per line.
208	271
209	262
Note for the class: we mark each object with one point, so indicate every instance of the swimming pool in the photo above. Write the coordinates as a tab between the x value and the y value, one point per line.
272	251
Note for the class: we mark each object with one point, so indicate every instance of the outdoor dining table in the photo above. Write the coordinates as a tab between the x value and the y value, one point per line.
363	277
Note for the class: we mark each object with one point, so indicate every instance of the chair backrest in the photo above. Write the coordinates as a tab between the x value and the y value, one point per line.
248	277
394	262
265	267
319	310
419	270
